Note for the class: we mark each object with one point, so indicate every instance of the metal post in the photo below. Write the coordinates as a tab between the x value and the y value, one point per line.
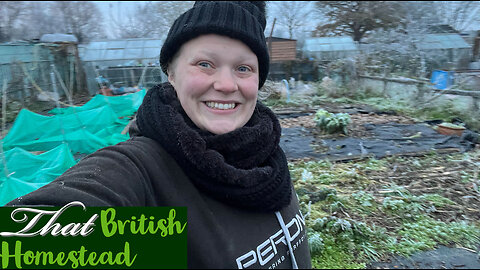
270	40
54	84
72	74
65	90
132	77
4	119
142	77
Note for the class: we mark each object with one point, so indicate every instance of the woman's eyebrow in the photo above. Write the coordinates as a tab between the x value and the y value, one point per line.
214	55
208	53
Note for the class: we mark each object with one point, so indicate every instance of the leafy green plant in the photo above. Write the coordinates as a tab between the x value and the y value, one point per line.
350	242
315	242
332	123
363	198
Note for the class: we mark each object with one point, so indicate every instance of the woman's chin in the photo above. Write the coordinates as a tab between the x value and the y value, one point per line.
221	127
220	131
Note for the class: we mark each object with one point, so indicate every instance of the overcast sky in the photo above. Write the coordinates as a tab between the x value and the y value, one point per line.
119	9
124	9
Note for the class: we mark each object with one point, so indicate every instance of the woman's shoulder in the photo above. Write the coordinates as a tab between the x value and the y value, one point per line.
137	148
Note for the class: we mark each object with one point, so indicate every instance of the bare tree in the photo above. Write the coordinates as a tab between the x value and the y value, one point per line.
81	18
458	14
141	23
401	47
10	14
356	18
38	20
293	15
153	19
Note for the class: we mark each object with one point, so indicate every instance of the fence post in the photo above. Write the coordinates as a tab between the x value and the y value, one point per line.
475	104
384	92
420	93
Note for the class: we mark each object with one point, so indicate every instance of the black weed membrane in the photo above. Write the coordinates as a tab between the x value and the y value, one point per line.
385	140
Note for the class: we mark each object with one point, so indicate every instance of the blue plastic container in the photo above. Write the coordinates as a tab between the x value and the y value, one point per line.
442	79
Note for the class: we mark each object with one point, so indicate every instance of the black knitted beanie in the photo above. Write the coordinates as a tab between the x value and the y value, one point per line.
242	20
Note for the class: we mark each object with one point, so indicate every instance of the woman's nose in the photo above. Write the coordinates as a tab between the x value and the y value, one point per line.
225	81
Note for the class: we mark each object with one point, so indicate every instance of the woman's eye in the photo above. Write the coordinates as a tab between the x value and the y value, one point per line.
243	69
205	64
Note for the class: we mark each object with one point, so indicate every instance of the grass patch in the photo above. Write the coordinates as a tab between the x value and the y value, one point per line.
426	233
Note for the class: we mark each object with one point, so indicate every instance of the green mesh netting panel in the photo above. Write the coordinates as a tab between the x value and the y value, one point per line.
84	132
122	105
79	130
28	172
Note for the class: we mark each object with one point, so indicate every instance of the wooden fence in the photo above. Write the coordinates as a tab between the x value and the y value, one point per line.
425	88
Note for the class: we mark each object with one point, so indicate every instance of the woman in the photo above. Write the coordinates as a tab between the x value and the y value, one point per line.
203	141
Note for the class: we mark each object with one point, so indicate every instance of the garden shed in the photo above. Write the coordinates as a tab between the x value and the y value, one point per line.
282	49
284	63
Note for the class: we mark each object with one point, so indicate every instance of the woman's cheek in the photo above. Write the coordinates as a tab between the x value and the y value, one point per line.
196	85
250	88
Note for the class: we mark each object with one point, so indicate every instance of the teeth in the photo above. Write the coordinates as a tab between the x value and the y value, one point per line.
220	106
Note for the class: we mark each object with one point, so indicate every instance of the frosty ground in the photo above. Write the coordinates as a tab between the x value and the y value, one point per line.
415	205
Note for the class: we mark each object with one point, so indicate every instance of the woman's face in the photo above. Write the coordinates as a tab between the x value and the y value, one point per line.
216	80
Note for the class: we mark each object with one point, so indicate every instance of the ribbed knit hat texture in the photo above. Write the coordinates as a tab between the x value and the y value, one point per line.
241	20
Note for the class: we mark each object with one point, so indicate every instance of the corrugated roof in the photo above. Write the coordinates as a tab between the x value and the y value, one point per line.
124	49
329	44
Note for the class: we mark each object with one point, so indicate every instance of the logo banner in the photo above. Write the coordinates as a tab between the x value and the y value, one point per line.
79	237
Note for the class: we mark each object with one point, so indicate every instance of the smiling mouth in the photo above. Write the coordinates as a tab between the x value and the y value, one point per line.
220	106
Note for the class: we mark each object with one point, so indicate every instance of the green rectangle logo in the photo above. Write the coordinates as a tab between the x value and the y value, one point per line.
79	237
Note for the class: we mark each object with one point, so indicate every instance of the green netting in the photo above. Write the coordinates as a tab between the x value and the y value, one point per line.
112	134
85	132
73	130
28	172
122	105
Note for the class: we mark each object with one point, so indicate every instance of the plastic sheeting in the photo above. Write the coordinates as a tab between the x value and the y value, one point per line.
27	172
393	138
386	139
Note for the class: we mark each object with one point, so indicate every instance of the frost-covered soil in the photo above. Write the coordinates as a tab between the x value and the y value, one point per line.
401	195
